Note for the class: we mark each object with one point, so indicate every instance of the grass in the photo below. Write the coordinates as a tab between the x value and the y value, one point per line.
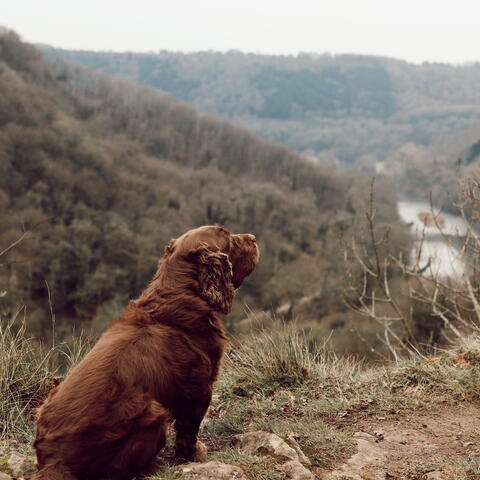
28	371
257	467
276	381
26	375
281	358
458	469
279	382
167	473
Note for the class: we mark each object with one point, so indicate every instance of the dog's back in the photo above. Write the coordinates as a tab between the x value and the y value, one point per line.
105	413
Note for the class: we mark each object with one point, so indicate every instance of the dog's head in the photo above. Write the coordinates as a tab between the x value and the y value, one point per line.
218	259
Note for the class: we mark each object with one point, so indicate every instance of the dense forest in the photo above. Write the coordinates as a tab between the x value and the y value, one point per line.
337	109
117	169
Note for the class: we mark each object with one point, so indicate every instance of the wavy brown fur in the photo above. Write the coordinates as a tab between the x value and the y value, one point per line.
155	363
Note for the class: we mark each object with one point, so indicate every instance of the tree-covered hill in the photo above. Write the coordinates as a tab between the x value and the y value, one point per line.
438	171
119	169
336	107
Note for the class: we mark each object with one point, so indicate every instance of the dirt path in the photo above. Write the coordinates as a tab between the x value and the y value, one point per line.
411	447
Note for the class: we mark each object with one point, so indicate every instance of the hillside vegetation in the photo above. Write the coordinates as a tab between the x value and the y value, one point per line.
337	108
438	170
97	174
115	170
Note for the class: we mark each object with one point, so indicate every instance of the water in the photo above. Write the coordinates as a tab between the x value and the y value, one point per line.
445	259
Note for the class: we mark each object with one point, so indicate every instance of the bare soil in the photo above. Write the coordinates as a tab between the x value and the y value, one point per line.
407	447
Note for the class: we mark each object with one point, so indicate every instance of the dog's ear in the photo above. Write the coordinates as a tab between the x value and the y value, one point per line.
214	272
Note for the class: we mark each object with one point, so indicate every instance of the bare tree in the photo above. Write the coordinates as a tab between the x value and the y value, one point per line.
415	305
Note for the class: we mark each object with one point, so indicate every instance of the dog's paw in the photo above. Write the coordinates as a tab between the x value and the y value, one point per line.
200	454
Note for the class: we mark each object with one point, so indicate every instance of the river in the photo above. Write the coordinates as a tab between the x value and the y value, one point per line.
445	259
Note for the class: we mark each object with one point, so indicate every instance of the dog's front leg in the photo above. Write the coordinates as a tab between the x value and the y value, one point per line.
187	423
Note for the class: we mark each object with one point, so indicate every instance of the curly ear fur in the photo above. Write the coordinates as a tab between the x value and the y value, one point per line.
214	277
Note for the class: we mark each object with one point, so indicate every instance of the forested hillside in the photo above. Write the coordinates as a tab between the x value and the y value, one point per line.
337	108
436	171
119	169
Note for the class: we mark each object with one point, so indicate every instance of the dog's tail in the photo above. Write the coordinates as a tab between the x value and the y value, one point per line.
56	471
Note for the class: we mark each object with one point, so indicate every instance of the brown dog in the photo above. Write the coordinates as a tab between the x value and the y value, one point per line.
157	362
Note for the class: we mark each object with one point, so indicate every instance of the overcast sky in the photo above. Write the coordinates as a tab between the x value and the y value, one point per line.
414	30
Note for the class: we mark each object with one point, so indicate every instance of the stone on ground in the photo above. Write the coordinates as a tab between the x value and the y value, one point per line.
367	463
212	471
292	442
22	466
296	471
264	443
436	475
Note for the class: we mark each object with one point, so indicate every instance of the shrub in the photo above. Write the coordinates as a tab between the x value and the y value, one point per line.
26	376
281	357
28	370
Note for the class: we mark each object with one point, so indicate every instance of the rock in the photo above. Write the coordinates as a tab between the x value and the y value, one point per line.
364	436
436	475
4	476
200	452
296	471
292	442
22	466
258	443
368	462
212	471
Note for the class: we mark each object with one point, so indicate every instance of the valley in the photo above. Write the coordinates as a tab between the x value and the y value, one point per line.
353	348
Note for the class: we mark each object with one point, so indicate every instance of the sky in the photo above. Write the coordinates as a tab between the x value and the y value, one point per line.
413	30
